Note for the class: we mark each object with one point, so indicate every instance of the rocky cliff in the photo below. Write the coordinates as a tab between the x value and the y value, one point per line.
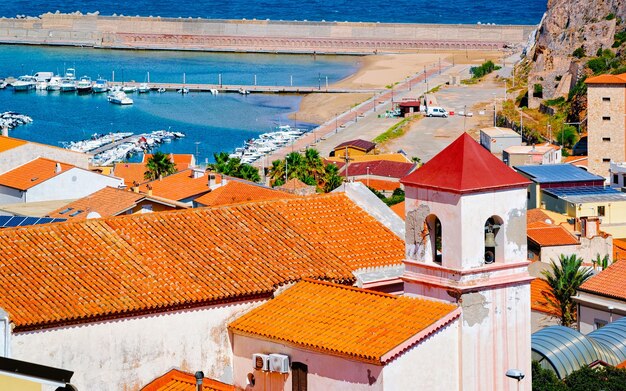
567	26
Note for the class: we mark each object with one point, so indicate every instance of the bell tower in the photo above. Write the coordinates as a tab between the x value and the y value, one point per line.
466	243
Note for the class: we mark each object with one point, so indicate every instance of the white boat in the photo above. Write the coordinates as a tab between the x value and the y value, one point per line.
119	98
214	91
3	84
129	89
183	90
143	88
54	84
24	83
100	86
243	91
84	84
41	85
68	85
161	90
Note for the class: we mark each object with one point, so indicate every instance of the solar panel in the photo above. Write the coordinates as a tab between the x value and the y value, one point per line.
549	173
20	221
587	193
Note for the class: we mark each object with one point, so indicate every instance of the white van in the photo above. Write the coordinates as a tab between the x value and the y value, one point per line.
434	111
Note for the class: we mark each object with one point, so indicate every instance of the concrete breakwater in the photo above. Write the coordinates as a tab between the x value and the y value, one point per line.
123	32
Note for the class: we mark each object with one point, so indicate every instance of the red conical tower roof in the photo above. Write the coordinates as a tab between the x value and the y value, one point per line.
464	167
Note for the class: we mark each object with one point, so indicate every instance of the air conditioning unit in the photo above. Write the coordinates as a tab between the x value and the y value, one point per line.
279	363
261	361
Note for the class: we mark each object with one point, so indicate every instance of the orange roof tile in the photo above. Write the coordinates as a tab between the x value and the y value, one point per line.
32	173
609	282
294	184
176	380
607	79
7	143
82	271
537	215
619	249
546	235
235	192
108	202
340	320
540	292
130	172
380	184
178	186
399	209
622	365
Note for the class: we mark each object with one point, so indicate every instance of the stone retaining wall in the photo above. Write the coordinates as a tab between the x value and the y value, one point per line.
253	35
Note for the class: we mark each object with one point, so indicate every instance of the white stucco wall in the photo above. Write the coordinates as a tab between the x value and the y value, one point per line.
433	364
127	354
496	338
23	154
71	184
325	372
463	224
9	195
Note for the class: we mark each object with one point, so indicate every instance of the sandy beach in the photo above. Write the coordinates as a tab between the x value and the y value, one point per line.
380	71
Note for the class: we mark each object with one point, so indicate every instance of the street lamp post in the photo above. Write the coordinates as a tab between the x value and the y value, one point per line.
336	122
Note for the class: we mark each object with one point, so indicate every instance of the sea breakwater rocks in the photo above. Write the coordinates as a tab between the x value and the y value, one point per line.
567	26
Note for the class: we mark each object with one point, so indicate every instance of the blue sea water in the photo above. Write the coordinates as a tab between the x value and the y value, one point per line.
398	11
218	123
212	123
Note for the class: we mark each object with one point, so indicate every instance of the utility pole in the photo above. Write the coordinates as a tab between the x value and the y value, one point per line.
346	159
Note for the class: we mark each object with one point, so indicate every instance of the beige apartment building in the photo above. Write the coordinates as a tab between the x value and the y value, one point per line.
606	104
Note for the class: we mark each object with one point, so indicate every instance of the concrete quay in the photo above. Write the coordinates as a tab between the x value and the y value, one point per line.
248	88
123	32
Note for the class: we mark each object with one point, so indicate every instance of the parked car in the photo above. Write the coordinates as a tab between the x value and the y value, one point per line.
434	111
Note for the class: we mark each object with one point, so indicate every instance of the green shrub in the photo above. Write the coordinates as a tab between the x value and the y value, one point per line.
579	53
610	16
484	69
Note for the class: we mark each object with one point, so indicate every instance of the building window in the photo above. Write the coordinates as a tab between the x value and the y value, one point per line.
606	160
615	179
600	210
606	139
606	99
299	372
606	118
599	323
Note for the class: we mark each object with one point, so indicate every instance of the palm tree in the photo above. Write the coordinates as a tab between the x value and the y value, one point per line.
159	165
332	180
314	166
564	279
277	173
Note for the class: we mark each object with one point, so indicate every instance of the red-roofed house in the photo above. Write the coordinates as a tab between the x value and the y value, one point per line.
542	313
47	180
15	152
183	186
602	298
354	148
177	380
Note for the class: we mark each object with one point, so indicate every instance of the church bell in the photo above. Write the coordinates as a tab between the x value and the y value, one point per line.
490	238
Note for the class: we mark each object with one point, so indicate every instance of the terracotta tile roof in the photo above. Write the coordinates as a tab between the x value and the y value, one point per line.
235	192
357	144
537	215
380	184
176	380
82	271
579	161
7	143
465	166
622	365
108	202
392	157
546	235
294	184
340	320
607	79
610	282
540	291
383	168
399	209
32	173
178	186
130	172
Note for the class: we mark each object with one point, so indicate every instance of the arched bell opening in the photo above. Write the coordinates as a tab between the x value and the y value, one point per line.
436	238
493	240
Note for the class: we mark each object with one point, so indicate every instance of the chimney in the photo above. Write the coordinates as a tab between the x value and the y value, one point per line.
57	168
5	131
196	173
149	186
590	226
172	158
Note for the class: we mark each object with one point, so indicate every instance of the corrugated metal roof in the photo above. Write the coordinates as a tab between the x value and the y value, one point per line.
587	194
550	173
565	350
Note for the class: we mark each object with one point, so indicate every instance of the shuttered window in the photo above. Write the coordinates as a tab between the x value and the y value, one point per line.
299	372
